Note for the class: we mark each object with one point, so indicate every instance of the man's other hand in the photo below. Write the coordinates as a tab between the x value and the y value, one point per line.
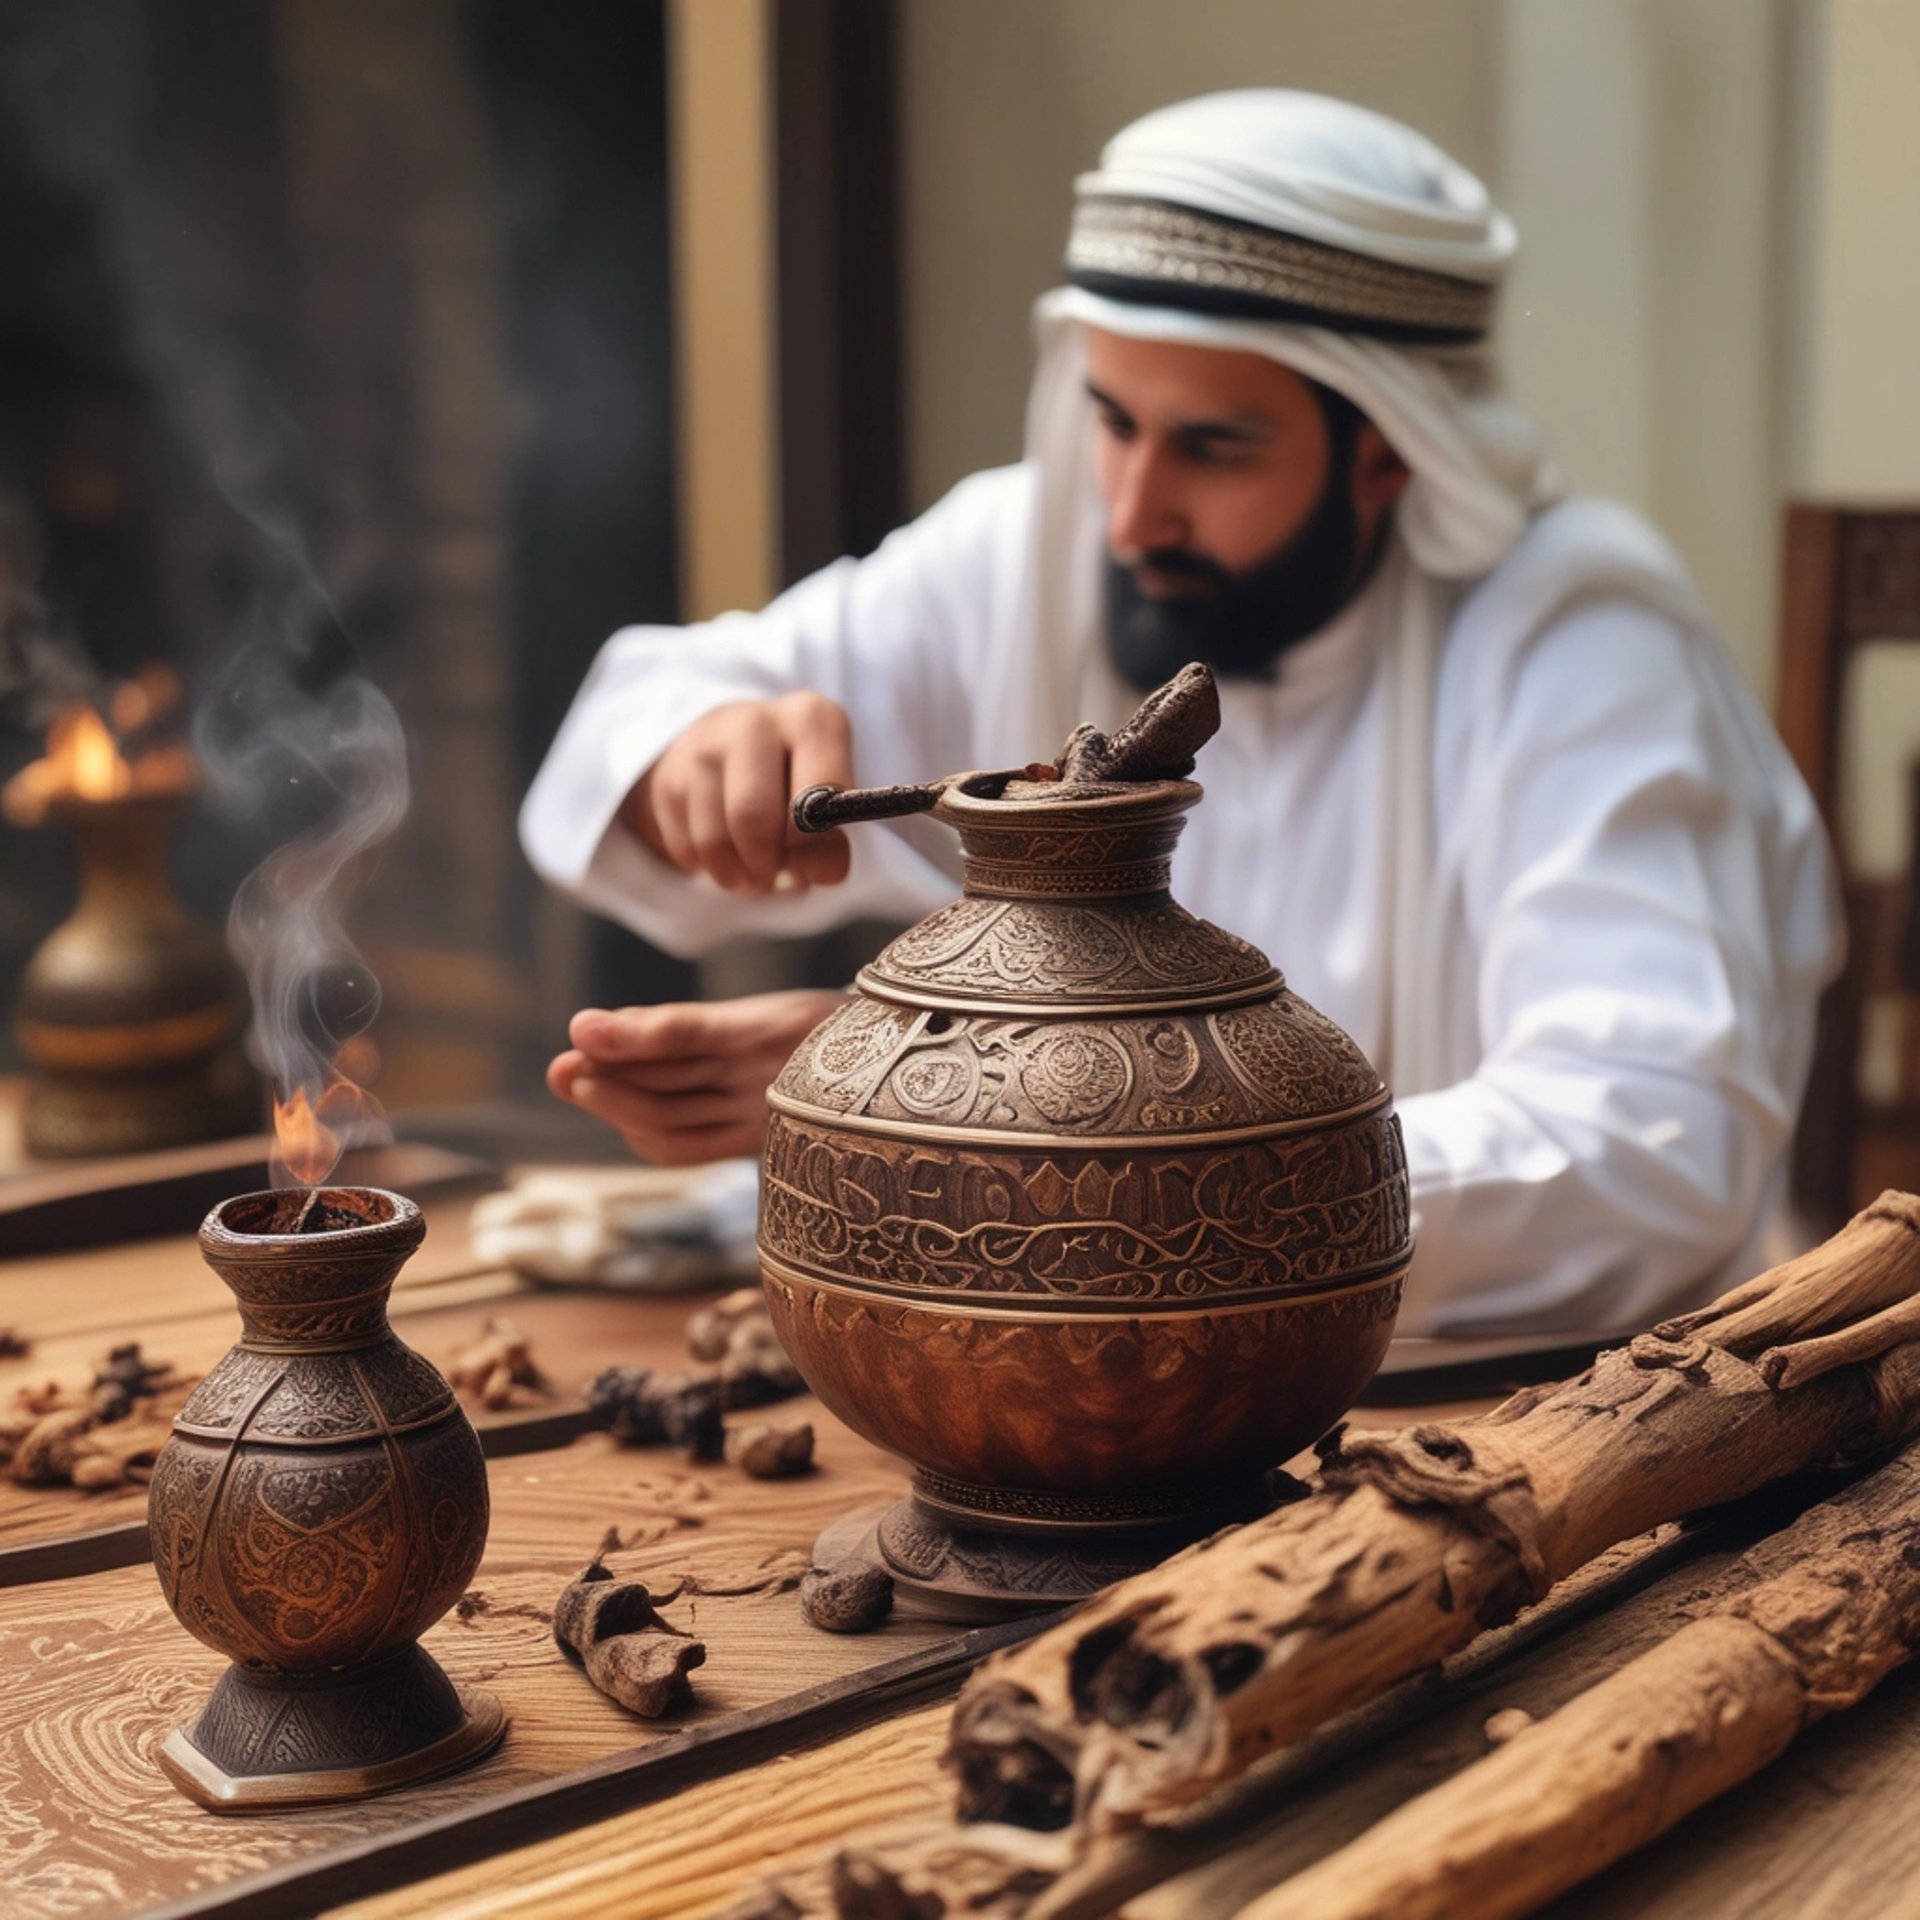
719	800
686	1082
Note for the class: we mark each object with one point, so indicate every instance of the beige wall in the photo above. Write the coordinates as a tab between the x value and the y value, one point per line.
1634	141
1004	101
1638	153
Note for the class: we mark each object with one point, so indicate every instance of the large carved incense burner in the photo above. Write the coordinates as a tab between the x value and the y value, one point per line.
1074	1203
323	1500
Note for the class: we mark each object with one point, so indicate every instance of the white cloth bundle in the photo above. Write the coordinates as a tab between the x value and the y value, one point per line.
645	1228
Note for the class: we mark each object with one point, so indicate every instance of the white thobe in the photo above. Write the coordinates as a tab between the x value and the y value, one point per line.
1630	913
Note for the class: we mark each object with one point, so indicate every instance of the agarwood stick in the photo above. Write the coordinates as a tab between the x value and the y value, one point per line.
1181	1678
1819	1614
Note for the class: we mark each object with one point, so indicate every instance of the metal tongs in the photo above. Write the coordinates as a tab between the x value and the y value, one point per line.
1160	742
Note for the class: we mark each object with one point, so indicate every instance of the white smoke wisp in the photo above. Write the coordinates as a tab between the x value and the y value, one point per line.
291	737
292	734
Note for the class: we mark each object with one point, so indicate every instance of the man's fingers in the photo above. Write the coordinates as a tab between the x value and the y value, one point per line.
680	1030
822	755
755	798
561	1070
707	825
695	1146
713	1043
702	1073
819	740
664	794
820	859
643	1115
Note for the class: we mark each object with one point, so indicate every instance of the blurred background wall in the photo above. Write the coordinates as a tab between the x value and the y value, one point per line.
636	309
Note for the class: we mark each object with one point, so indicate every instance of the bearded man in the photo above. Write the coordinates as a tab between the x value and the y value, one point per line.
1487	787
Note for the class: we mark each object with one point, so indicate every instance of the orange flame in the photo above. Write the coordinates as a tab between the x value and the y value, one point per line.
309	1136
84	760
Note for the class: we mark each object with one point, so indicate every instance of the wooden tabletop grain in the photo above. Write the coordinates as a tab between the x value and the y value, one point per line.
97	1672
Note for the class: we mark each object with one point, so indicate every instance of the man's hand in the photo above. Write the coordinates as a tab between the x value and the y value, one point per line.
686	1082
719	800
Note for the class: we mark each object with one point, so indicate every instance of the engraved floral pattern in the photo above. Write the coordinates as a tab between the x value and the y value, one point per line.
1296	1213
1276	1061
332	1503
1077	1078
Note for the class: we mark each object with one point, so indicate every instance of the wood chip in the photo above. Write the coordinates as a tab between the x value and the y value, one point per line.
610	1628
851	1599
770	1452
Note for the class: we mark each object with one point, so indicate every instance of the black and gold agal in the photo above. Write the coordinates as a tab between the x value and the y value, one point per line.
1167	255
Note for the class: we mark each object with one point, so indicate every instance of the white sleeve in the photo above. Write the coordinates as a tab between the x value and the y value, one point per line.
894	639
1650	901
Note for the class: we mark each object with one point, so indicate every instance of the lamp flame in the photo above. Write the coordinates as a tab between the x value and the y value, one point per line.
87	759
310	1135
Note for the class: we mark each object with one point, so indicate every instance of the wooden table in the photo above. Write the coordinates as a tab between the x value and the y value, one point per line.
799	1742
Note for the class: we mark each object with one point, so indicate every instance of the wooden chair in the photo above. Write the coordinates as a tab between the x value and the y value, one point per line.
1852	576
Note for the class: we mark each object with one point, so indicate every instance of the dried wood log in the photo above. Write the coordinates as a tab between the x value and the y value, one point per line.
1416	1541
1819	1614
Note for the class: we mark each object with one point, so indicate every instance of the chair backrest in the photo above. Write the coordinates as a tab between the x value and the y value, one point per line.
1851	576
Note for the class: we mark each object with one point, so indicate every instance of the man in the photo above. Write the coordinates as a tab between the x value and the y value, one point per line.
1487	788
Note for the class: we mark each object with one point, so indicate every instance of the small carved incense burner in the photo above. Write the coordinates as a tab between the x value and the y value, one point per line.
131	1013
1074	1204
323	1500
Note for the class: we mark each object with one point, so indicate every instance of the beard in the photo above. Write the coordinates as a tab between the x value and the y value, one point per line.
1241	624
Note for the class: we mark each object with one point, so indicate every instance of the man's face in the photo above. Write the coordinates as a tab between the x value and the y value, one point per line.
1200	451
1231	507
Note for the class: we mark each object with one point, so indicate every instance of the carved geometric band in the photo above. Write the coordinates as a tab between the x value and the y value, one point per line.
943	1138
921	995
1047	1309
998	881
384	1429
319	1348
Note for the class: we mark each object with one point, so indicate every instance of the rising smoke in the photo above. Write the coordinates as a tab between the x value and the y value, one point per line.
290	729
292	737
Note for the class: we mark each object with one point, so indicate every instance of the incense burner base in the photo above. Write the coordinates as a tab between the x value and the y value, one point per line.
268	1742
967	1554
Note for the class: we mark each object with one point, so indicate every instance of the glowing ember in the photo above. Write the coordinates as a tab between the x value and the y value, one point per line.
310	1135
87	758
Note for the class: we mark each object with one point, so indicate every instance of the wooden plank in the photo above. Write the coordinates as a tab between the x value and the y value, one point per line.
99	1671
57	1206
120	1290
700	1853
694	1855
49	1533
722	1749
45	1546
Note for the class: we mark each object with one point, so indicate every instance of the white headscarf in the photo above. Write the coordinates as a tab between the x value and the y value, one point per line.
1297	165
